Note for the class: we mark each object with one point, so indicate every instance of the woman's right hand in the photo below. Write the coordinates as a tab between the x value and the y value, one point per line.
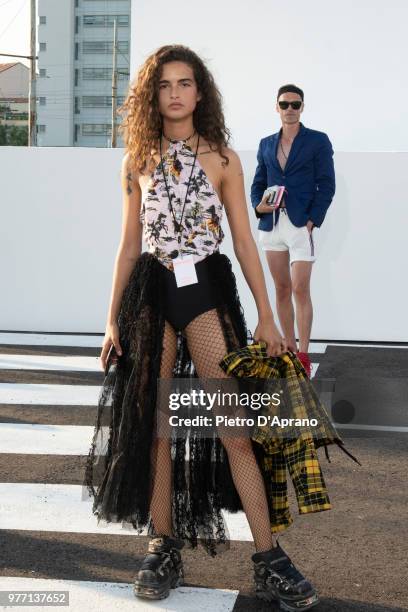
111	338
263	207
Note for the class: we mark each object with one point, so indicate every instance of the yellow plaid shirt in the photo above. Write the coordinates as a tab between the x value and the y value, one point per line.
295	448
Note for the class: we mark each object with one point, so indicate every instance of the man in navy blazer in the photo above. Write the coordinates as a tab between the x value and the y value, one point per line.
301	160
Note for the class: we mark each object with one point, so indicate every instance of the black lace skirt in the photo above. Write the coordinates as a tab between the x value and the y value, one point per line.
118	470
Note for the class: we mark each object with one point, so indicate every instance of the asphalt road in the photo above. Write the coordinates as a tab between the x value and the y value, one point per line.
355	554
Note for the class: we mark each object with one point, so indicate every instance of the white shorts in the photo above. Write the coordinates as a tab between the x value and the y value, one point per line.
287	237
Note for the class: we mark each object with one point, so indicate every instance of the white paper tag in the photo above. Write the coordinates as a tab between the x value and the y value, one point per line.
185	271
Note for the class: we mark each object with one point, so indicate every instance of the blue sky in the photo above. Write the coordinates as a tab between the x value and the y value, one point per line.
14	29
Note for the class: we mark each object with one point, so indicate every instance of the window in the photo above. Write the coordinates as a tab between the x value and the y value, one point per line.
76	111
103	21
76	50
96	129
76	78
40	128
76	24
96	74
103	74
96	101
42	100
100	101
104	46
43	46
96	47
76	3
43	72
43	20
76	132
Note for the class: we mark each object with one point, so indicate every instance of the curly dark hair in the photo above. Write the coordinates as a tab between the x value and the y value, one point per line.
142	123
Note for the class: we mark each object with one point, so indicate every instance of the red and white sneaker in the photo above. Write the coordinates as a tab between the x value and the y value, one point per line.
305	361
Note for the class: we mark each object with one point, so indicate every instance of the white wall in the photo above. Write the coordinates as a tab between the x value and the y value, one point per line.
349	57
60	223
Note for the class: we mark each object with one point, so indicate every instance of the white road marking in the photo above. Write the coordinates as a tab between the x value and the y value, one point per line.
87	596
317	347
77	395
95	341
391	346
40	507
27	439
50	362
27	339
396	428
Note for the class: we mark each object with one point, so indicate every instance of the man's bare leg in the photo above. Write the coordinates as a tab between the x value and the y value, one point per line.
301	273
278	262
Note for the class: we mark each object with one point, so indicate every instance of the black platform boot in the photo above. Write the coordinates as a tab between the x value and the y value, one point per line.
161	570
277	579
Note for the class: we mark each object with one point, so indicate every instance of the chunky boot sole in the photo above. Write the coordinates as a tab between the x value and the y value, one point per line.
155	591
294	606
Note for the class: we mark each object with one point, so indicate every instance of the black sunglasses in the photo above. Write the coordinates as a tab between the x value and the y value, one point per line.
285	105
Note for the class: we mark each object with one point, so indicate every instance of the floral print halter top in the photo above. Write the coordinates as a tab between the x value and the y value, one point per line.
201	231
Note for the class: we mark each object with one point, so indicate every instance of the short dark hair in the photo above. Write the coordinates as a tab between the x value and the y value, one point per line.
290	88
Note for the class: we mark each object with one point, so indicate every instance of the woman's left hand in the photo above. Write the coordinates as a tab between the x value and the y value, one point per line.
267	331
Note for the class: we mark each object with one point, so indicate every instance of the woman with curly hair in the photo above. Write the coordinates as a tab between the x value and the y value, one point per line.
175	313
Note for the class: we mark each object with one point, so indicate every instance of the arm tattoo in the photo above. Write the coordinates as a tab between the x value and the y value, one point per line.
129	181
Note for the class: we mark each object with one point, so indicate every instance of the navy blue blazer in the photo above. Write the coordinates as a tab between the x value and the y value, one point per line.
308	177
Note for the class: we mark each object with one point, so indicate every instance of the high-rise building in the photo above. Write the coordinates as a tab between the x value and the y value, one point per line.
74	87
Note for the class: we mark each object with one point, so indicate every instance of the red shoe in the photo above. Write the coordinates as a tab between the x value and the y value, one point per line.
305	361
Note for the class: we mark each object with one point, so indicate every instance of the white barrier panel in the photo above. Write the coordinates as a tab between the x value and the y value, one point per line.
61	221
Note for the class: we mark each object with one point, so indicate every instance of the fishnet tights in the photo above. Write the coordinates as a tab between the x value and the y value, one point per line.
207	347
160	504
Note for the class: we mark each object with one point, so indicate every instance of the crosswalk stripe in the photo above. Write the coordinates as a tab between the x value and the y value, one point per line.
36	339
49	362
111	596
79	395
317	347
45	439
362	427
95	341
366	345
39	507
